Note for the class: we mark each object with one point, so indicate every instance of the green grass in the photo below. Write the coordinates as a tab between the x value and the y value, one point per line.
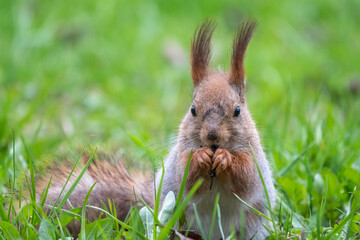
118	72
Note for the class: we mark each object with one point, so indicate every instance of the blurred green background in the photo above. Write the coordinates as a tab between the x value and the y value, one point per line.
119	71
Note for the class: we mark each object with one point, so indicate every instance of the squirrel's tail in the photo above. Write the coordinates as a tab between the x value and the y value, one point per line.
114	183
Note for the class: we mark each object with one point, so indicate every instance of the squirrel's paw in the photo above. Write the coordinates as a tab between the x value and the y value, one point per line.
221	161
202	157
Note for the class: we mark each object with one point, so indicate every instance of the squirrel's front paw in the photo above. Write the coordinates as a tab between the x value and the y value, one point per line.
221	161
203	157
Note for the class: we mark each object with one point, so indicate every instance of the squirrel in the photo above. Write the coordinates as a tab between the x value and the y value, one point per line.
221	138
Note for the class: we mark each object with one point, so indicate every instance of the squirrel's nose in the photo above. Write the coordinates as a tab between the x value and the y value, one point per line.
212	135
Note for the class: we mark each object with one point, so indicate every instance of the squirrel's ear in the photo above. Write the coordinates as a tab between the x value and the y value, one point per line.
200	51
241	41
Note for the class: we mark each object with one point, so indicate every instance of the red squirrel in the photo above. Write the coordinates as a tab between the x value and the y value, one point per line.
221	137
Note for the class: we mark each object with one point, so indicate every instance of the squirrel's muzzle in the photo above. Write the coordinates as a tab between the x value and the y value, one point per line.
212	134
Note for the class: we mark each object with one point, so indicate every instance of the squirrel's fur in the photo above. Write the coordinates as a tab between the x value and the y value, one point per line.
220	140
114	182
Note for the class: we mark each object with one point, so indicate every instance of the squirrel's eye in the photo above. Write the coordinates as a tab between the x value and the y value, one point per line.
237	111
193	111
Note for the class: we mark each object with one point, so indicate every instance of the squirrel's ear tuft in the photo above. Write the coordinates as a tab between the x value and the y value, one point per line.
241	41
200	51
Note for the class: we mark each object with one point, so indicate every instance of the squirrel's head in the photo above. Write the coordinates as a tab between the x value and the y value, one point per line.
218	116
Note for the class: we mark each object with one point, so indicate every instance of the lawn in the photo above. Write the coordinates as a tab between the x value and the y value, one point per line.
117	74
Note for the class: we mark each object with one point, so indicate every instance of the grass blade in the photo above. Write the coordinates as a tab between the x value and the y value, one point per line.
283	171
13	162
32	172
45	193
157	200
9	231
124	225
83	219
198	221
2	211
145	204
68	193
179	211
348	225
72	170
265	190
252	208
320	214
219	222
341	225
14	177
214	216
183	182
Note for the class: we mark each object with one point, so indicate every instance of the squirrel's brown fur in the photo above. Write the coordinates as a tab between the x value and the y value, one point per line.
219	132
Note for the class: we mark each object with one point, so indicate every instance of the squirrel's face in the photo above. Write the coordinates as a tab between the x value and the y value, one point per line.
216	114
